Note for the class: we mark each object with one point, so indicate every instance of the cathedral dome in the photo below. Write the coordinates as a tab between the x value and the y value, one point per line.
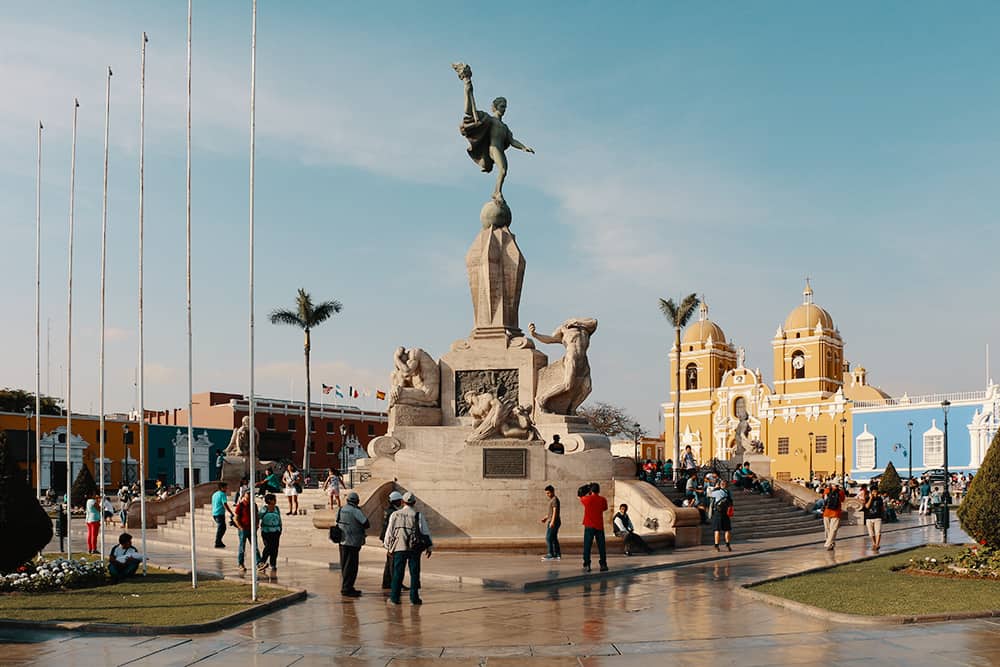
703	329
808	315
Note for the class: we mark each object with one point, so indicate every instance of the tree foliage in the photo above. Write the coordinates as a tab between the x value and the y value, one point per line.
611	420
84	487
22	519
890	484
15	400
980	510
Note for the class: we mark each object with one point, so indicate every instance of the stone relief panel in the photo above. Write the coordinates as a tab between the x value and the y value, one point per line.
502	383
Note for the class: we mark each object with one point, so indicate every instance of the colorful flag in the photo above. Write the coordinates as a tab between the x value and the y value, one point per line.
379	394
354	393
367	393
337	391
327	389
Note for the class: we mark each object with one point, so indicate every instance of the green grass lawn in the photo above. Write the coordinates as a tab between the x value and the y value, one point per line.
160	598
871	588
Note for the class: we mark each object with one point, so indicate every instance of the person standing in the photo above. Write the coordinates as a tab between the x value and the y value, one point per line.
594	507
925	496
292	479
402	541
395	502
245	528
832	504
220	507
93	513
270	533
626	530
722	503
332	485
552	522
354	524
874	514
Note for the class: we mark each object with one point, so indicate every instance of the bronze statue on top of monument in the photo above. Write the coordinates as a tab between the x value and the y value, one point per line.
489	138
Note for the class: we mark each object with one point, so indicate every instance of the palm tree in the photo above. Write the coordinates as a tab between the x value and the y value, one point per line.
306	316
678	316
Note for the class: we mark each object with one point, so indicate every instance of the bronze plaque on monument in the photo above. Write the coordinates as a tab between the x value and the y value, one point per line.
505	463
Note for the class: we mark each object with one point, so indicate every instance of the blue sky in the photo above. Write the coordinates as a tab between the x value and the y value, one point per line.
725	150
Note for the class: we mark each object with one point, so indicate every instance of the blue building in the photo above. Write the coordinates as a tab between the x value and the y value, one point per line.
168	459
884	430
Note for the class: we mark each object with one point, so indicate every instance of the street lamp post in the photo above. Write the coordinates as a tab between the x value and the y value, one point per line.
126	441
810	458
843	452
909	451
945	518
343	449
635	438
28	414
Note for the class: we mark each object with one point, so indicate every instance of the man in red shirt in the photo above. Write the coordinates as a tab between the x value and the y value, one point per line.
833	503
594	507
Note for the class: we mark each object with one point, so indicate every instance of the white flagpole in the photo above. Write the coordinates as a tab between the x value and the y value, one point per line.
38	322
194	559
253	430
69	344
142	358
104	255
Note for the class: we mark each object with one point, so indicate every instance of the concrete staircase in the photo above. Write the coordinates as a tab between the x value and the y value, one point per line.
296	531
759	517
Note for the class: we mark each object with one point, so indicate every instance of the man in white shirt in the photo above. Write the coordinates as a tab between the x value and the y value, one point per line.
405	526
124	559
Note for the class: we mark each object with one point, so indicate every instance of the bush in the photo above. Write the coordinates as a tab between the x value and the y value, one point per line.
43	575
890	484
22	520
980	510
84	487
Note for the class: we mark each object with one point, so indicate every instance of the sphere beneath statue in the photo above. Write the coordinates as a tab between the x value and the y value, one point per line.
495	214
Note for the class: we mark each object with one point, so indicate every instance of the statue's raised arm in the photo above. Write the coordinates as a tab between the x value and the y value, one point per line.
489	137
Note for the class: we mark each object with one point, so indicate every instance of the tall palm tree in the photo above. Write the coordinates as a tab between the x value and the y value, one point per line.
306	316
678	316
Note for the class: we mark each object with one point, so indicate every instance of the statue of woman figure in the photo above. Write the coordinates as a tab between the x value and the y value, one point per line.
488	135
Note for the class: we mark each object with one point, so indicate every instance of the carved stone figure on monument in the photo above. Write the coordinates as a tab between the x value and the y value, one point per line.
239	443
493	417
489	138
416	379
564	385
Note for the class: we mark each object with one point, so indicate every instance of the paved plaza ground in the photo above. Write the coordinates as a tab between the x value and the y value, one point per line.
686	613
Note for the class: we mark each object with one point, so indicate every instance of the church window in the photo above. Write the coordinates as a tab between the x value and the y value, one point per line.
933	447
691	377
783	446
784	476
821	444
798	365
864	448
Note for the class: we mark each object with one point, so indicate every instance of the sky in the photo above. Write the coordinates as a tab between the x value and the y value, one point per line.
725	150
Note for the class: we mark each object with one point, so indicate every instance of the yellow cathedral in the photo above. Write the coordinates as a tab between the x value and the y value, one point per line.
801	423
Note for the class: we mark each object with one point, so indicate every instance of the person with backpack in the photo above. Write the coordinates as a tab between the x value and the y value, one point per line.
245	528
722	512
406	537
353	522
832	503
270	533
874	510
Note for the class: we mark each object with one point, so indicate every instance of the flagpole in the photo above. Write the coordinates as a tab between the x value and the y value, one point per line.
104	255
142	358
194	559
253	429
69	343
38	322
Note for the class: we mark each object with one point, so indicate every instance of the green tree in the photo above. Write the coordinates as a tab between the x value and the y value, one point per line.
84	487
22	518
306	316
980	509
15	400
678	316
890	484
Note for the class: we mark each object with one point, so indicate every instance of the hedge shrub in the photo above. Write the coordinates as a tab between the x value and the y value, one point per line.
980	509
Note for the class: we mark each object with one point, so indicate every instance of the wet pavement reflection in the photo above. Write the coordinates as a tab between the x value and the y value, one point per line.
688	615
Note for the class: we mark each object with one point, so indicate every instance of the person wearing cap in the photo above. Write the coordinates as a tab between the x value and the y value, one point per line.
403	525
353	522
395	502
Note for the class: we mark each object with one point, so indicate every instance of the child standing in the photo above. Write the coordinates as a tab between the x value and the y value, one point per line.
270	532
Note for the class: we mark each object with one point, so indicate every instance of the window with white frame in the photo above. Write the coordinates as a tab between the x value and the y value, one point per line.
933	446
864	450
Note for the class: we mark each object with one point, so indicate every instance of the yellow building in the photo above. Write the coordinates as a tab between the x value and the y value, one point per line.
801	422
